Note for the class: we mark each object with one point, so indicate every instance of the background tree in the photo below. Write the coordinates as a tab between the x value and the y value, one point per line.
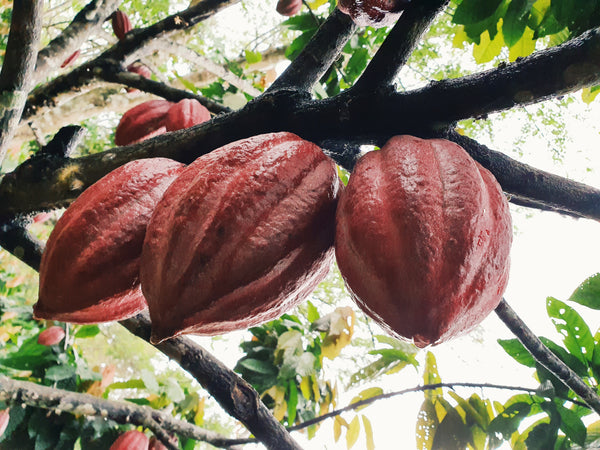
338	92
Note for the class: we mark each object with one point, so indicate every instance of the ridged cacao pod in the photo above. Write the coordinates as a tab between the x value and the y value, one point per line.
70	59
89	272
131	440
4	419
289	7
121	24
186	113
142	122
373	13
242	235
51	336
423	238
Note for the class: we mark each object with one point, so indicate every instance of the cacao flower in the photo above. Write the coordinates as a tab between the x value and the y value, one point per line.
131	440
4	419
288	7
121	24
142	122
89	271
70	59
423	238
242	235
51	336
373	13
186	113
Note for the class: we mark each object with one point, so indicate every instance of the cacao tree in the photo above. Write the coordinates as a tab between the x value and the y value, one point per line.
71	72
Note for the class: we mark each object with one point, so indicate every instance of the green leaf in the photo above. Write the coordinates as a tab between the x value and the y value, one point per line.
149	381
312	312
365	394
488	47
256	365
571	425
369	433
173	390
451	433
517	351
515	20
507	422
301	22
356	64
85	373
431	376
87	331
352	433
588	292
253	57
61	372
579	367
292	402
588	95
472	11
298	44
427	423
577	336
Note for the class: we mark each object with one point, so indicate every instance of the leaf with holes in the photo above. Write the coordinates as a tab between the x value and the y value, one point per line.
577	336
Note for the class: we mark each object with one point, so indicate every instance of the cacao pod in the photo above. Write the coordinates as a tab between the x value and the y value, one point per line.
242	235
4	419
155	444
70	59
51	336
186	113
141	70
131	440
289	7
89	271
121	24
142	122
373	13
423	238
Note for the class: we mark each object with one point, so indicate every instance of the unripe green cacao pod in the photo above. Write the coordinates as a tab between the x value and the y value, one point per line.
121	24
131	440
89	271
185	113
373	13
142	122
423	238
4	419
51	336
242	235
289	7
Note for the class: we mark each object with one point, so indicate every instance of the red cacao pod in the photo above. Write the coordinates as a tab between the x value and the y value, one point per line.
51	336
423	238
373	13
289	7
141	70
121	24
70	59
89	271
242	235
4	419
142	122
131	440
186	113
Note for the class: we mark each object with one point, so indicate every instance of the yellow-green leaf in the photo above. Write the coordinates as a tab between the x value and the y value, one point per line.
426	425
431	376
488	49
369	433
460	37
524	46
352	433
305	387
337	428
589	94
367	393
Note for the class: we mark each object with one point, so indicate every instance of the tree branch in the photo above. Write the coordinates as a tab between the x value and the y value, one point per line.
318	55
16	76
399	44
545	357
58	400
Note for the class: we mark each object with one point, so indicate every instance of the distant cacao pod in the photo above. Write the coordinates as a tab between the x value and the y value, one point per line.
70	59
155	444
51	336
4	419
141	69
242	235
184	114
121	24
288	7
142	122
423	238
131	440
373	13
89	271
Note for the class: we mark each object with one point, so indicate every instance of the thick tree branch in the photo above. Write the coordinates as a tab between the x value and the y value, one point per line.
87	22
318	55
399	44
16	76
58	400
545	357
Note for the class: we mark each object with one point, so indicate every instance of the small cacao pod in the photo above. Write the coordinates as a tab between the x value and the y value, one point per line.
67	62
4	419
51	336
141	70
131	440
373	13
155	444
288	7
142	122
242	235
423	238
89	271
121	24
186	113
